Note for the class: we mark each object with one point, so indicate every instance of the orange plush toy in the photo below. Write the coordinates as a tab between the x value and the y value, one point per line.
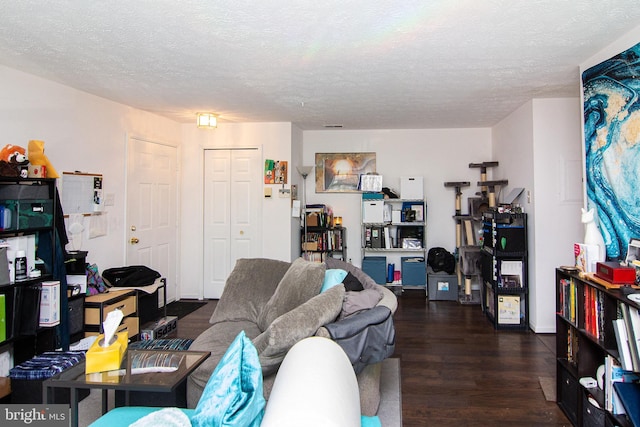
38	158
13	161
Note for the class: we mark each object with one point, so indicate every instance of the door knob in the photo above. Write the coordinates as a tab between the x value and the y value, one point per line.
134	240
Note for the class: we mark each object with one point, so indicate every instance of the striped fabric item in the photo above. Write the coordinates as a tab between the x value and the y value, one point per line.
46	365
162	344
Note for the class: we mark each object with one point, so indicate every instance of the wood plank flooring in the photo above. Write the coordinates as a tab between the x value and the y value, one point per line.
456	369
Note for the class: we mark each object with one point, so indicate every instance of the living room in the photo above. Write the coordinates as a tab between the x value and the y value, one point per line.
537	145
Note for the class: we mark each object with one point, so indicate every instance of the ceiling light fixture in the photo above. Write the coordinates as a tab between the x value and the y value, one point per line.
207	121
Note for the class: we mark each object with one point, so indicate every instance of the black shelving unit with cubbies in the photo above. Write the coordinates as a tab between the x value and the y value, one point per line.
27	222
505	288
586	341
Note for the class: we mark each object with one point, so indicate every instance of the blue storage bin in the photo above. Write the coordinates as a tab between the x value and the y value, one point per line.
376	268
414	271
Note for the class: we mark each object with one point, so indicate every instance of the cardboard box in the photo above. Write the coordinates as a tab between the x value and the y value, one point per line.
313	219
411	188
160	328
50	304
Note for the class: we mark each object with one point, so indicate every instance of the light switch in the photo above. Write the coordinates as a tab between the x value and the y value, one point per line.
284	193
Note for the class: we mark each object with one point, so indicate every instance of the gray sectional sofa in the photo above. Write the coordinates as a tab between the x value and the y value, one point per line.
279	303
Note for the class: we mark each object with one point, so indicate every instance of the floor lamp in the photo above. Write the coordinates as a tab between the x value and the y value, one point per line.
304	171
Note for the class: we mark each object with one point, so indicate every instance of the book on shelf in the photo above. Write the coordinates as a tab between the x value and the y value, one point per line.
572	346
568	299
632	340
314	256
613	373
586	256
593	312
622	340
387	238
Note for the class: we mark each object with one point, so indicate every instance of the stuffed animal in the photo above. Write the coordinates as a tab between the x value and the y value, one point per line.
13	161
37	157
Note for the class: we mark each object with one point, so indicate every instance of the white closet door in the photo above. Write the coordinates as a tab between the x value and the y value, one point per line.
231	213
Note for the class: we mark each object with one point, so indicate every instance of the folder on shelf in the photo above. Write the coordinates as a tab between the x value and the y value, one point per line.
629	394
377	239
387	238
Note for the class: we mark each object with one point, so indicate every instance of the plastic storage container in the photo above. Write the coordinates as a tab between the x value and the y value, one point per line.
376	267
414	272
442	286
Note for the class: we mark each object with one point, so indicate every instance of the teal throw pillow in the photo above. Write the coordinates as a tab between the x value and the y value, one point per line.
233	395
332	277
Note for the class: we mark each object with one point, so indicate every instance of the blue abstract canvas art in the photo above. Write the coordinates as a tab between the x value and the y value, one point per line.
612	147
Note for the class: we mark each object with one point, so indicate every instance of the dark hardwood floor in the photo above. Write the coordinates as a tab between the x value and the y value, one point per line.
456	369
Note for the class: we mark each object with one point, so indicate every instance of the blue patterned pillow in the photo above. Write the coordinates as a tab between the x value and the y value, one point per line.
233	395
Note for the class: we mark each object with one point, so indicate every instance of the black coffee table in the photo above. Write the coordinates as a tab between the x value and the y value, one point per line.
124	380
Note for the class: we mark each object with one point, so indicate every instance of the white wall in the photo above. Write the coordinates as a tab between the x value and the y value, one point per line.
274	140
81	132
439	155
88	133
538	147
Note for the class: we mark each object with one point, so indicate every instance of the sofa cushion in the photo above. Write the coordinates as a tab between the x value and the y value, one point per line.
355	302
216	339
332	277
233	395
295	325
248	288
352	284
301	282
364	278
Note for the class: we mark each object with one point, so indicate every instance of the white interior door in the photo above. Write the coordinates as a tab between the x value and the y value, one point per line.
231	213
152	209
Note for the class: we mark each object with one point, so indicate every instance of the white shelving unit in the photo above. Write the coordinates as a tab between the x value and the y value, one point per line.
395	229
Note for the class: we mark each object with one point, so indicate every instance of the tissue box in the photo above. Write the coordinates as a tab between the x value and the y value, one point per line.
100	359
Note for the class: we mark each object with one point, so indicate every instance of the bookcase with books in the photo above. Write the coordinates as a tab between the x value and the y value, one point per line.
321	237
597	350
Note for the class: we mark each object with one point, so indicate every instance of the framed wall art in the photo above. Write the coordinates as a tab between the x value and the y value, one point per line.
611	123
340	172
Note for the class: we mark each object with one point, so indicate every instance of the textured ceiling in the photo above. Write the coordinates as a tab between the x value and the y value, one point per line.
361	64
